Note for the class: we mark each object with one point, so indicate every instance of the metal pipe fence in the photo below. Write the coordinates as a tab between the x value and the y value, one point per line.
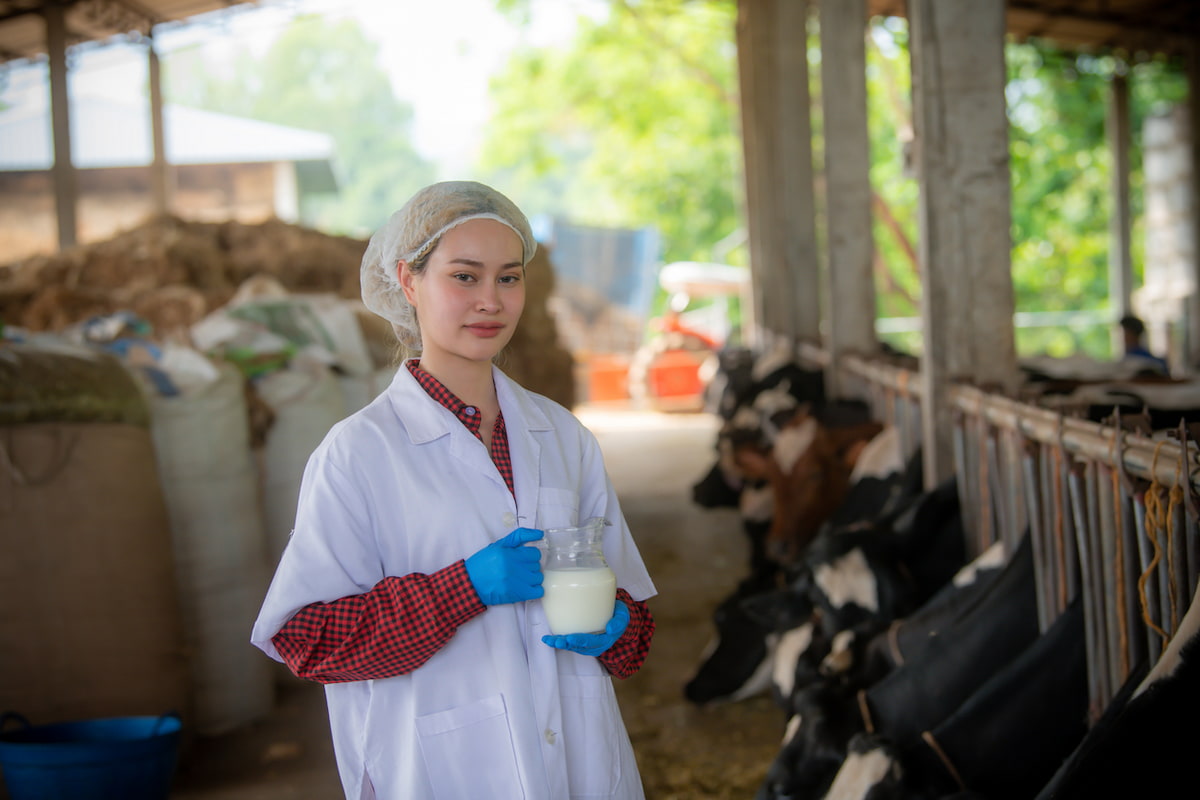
1113	515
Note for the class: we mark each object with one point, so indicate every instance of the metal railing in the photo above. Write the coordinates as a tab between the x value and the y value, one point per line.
1114	515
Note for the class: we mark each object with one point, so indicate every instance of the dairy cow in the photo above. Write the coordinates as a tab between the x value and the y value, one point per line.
1003	742
753	403
983	638
882	569
808	468
1144	743
866	653
737	661
758	629
960	656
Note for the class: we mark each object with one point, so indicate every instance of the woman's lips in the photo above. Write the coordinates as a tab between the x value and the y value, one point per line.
486	330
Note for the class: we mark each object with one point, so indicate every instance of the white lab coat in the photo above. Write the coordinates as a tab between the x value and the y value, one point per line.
402	486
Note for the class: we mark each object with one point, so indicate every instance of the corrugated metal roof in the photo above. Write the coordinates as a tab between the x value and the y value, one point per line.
111	133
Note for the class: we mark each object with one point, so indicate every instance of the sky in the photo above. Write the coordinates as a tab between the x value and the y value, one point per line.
467	40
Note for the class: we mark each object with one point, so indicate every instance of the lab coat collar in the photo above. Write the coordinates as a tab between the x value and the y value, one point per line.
426	421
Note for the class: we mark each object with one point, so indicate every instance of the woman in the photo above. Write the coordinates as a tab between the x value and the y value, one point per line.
407	587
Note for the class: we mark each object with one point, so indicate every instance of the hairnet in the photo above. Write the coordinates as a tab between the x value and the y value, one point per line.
414	231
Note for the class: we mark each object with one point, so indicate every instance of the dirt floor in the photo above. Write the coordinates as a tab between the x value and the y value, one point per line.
695	556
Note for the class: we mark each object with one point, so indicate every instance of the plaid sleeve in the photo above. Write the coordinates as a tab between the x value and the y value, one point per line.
628	653
390	630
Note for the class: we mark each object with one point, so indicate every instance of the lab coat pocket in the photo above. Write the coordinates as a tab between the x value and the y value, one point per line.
468	751
557	508
592	730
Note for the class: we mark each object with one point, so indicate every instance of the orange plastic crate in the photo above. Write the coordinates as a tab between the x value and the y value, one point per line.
607	378
676	373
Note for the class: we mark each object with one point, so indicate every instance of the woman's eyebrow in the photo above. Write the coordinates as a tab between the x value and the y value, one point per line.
470	262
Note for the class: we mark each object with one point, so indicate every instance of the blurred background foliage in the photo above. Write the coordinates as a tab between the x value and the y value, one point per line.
635	122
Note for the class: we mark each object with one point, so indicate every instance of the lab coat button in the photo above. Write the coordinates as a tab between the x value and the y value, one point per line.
551	736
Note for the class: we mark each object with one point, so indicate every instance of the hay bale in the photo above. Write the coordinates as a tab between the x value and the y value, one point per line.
173	272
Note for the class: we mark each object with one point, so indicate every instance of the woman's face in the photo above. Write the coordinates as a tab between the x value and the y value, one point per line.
471	293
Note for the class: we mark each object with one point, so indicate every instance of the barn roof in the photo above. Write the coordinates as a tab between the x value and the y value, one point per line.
23	31
1136	27
118	135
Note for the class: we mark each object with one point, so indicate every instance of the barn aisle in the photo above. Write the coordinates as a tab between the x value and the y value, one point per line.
695	556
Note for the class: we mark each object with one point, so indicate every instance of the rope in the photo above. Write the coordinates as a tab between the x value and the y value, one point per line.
1119	562
1158	519
64	442
927	737
15	472
865	711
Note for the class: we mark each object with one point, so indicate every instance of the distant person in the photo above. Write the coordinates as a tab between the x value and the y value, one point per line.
406	585
1134	331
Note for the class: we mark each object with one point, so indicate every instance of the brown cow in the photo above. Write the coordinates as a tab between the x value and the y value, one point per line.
808	468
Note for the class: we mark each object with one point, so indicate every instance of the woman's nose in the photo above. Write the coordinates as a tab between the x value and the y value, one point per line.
489	299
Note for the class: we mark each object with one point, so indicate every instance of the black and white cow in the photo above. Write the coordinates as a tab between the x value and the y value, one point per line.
956	659
736	663
865	654
1144	743
1009	736
762	631
882	569
989	633
1002	743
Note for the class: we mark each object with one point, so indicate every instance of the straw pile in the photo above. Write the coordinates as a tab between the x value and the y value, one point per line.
173	272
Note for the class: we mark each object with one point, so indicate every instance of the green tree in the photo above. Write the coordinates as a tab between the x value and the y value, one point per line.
1062	182
343	92
634	123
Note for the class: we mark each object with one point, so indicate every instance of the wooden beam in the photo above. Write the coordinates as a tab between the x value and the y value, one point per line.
66	184
159	180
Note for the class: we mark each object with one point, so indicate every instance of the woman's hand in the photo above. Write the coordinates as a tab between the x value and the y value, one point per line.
506	571
593	644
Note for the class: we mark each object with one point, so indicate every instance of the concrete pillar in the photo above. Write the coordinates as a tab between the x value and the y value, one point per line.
964	212
1120	250
773	72
849	241
1191	335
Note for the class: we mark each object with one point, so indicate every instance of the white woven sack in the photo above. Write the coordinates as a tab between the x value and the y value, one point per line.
307	401
210	486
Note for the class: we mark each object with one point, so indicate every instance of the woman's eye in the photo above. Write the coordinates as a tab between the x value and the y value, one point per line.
510	278
463	277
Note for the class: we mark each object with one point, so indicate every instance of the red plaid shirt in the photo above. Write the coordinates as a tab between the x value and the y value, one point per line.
399	624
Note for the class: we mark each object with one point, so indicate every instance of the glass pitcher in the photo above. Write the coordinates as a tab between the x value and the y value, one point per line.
580	586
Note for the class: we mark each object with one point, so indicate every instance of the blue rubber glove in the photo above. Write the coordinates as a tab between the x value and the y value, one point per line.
593	644
507	572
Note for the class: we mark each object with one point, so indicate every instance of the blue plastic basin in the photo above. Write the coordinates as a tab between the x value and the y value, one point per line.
116	758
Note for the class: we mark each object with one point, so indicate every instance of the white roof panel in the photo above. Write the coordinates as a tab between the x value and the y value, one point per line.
110	133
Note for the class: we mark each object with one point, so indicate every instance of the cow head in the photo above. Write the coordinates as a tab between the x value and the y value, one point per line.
808	467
